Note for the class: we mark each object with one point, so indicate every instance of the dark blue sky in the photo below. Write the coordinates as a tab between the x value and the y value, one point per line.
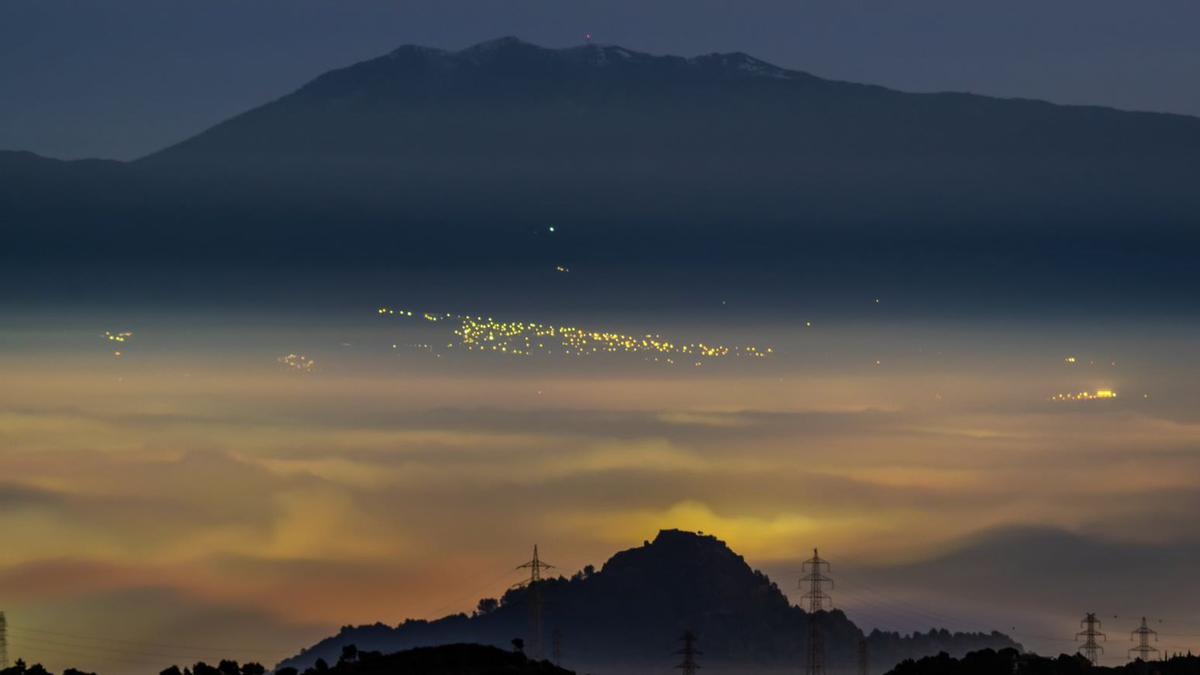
125	77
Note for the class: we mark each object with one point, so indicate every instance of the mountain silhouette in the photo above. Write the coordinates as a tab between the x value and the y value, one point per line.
508	101
456	659
628	615
426	157
601	132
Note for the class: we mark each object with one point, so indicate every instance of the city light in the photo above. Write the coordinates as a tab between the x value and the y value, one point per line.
298	362
1098	395
519	338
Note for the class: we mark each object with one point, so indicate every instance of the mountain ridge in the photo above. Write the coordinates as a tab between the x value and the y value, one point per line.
647	162
595	75
736	62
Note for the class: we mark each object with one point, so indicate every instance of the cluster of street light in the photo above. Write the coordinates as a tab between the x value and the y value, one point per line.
519	338
1098	395
117	340
298	362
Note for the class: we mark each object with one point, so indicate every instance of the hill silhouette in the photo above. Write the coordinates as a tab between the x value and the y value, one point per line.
627	617
455	659
1014	662
459	659
425	157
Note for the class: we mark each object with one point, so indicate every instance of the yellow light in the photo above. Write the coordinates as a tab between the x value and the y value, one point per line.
516	337
1099	394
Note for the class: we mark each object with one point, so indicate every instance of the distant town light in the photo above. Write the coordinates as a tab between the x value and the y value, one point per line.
1099	394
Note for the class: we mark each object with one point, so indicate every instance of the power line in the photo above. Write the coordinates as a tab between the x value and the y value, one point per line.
75	647
483	590
903	613
91	656
878	597
137	643
439	611
1044	638
881	617
92	651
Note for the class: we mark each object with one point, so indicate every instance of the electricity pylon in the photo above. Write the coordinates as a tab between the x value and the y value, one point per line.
3	642
864	657
533	586
1143	650
816	598
689	653
1090	649
556	646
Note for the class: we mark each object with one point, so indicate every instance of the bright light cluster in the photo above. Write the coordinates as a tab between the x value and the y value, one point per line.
118	339
477	333
1098	395
298	362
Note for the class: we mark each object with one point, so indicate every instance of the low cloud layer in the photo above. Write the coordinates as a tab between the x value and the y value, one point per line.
244	505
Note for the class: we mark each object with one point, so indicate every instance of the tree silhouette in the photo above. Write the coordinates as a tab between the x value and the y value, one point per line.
202	668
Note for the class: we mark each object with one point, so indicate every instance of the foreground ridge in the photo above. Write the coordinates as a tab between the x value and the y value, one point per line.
629	614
